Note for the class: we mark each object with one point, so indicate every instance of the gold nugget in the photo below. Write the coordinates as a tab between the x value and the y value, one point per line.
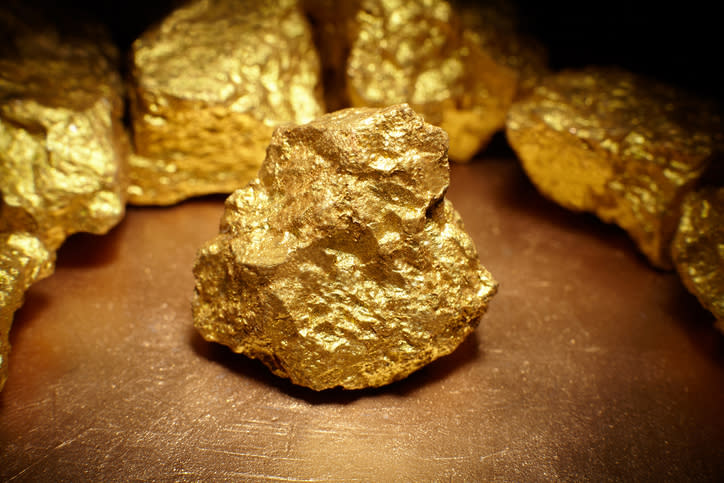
343	264
698	249
460	71
62	145
620	146
23	261
210	83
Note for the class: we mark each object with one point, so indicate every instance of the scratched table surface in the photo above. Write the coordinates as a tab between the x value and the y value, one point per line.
589	365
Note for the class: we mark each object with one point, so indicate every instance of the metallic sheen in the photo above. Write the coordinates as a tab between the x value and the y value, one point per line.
698	249
62	147
210	83
110	382
458	67
343	264
620	146
23	260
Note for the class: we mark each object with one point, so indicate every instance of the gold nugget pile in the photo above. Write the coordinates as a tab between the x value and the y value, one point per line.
348	260
343	264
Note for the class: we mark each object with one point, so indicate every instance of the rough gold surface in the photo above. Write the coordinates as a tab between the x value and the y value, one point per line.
343	264
23	260
698	249
459	67
210	83
62	147
617	145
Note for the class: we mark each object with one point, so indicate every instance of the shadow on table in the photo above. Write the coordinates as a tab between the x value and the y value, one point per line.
698	324
35	304
467	353
84	250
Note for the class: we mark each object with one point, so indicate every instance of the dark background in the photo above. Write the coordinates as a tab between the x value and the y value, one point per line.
679	43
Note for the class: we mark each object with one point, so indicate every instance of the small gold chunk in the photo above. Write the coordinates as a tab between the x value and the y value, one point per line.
459	67
618	145
210	83
23	261
62	146
343	264
698	249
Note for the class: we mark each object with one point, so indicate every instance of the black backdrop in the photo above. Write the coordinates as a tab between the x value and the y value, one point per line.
677	42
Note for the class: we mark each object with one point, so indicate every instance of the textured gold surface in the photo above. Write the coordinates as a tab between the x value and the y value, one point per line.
343	264
210	83
623	147
23	260
698	249
62	147
549	387
459	67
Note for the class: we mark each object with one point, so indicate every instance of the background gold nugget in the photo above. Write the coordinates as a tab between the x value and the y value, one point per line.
23	261
459	67
698	249
62	147
210	83
620	146
343	264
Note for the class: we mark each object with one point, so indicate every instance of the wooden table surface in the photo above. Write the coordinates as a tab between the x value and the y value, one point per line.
590	365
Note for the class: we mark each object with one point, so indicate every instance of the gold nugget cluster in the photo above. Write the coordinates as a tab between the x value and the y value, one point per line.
343	264
213	79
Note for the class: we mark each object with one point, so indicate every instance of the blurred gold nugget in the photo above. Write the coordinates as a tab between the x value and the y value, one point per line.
23	261
210	83
620	146
62	145
458	66
343	264
698	249
494	26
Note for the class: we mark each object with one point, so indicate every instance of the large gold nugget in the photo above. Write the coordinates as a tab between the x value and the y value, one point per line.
23	260
343	264
698	249
623	147
423	53
210	83
62	146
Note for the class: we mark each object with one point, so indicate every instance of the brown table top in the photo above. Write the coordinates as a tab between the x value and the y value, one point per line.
589	365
